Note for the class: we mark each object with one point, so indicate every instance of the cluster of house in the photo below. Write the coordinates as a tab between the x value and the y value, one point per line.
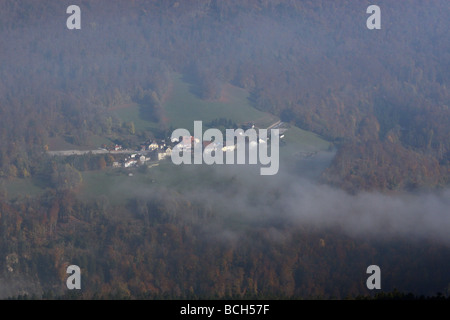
147	151
160	150
187	142
114	147
132	160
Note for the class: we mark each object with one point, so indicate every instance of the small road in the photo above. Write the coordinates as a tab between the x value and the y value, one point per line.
65	153
275	125
82	152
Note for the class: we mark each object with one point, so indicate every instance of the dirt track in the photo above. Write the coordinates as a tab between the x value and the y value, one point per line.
81	152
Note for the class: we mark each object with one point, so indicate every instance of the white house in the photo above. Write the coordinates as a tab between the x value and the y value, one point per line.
130	163
229	148
163	155
153	146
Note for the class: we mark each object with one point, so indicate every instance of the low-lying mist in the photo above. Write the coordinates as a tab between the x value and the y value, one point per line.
240	198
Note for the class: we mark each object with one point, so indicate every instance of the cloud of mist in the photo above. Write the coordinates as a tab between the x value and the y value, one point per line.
242	199
376	215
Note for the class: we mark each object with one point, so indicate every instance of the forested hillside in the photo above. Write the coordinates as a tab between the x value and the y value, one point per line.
380	96
314	63
170	247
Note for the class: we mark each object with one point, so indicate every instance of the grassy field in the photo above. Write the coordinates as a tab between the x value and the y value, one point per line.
118	186
298	140
21	187
105	183
133	114
183	107
59	143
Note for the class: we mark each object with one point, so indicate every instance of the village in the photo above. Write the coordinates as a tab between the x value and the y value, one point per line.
159	150
148	151
152	151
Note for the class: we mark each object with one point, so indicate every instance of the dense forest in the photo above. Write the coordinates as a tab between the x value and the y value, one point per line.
314	63
381	97
168	247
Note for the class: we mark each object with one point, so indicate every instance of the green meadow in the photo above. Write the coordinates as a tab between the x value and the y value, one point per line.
21	187
182	108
